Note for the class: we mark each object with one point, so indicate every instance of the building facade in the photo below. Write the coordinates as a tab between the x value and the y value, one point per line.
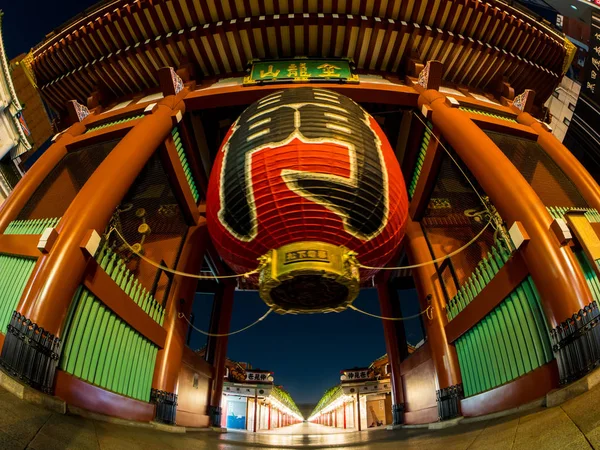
13	128
98	236
362	400
252	402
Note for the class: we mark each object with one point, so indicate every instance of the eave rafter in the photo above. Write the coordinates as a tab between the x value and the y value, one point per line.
124	44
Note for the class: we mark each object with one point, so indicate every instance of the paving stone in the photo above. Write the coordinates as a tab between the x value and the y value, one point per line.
28	426
497	435
548	430
66	433
7	442
584	411
20	420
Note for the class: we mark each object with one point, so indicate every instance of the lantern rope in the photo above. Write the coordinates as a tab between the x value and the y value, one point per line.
260	319
454	161
433	261
177	272
428	311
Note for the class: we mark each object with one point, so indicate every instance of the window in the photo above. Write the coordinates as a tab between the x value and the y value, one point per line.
196	381
566	121
571	106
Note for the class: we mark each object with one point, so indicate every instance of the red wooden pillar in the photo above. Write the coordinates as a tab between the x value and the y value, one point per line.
225	296
577	173
47	298
181	297
358	409
392	348
18	198
344	415
256	412
335	418
553	267
269	426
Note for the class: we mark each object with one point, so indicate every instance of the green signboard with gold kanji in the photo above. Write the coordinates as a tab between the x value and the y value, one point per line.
301	71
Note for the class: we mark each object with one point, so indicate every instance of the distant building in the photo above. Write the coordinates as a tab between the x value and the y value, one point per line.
251	401
35	111
561	106
13	129
370	387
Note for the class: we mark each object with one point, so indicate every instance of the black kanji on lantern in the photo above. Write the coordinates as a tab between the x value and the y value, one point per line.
314	116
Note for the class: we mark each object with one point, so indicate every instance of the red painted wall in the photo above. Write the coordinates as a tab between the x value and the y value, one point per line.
419	384
193	398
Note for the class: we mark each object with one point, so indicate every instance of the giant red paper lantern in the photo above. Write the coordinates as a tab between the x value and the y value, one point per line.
304	178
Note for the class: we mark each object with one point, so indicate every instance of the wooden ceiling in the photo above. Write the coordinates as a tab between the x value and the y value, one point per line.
123	43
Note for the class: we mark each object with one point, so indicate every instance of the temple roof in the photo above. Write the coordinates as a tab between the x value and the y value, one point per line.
124	42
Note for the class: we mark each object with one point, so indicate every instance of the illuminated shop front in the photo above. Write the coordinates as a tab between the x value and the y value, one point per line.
252	402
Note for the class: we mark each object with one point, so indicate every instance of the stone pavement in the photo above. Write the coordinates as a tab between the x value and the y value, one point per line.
572	425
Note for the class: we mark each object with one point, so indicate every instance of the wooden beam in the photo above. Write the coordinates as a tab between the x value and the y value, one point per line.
181	188
200	175
403	135
201	144
122	113
502	126
392	94
427	179
99	283
413	145
506	280
105	134
20	244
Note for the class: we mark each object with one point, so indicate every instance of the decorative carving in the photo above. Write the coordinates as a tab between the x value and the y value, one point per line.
431	75
177	81
448	400
166	406
576	343
424	76
81	111
30	353
520	101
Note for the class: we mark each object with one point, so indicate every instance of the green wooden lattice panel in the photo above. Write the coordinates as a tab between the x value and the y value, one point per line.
104	350
185	164
35	226
486	269
114	122
14	274
509	342
558	212
420	159
117	270
489	114
590	275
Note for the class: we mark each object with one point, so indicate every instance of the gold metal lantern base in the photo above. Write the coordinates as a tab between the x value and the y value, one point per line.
309	277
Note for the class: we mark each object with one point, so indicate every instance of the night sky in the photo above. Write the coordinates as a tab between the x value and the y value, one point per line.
305	352
26	22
